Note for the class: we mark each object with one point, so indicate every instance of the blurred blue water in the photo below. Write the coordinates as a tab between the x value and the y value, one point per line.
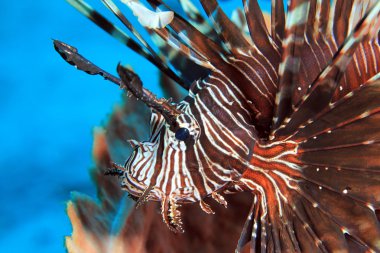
48	111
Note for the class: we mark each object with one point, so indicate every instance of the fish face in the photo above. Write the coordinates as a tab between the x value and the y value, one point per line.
160	164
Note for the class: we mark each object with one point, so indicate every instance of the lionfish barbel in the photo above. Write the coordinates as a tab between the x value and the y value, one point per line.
288	111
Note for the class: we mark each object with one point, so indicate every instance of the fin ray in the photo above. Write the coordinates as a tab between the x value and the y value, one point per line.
321	91
227	30
118	34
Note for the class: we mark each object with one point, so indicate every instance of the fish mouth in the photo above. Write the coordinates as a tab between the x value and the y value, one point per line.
170	203
171	215
132	186
171	200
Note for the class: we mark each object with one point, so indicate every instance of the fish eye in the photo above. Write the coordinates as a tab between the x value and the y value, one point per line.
182	134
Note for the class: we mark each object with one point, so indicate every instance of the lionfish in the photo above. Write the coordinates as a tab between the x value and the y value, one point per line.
289	112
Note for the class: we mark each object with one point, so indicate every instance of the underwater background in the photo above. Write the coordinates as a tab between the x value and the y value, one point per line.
48	112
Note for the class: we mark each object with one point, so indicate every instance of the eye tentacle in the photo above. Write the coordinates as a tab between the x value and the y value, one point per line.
71	55
128	79
133	83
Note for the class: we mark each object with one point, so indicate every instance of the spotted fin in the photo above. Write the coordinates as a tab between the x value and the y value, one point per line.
322	44
321	91
308	172
289	69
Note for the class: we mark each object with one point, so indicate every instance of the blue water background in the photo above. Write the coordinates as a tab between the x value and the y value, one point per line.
48	111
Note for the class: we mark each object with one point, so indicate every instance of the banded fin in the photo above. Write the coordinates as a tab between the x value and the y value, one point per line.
296	213
355	106
187	34
180	51
326	140
116	11
289	69
322	90
278	22
197	20
351	216
227	30
178	48
345	15
108	27
321	18
185	60
181	58
359	184
118	34
258	31
340	28
277	223
251	230
339	159
320	48
238	18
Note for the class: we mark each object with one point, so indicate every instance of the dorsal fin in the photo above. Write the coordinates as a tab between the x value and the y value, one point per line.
175	46
197	20
332	22
238	18
341	21
258	31
111	6
320	47
227	30
115	10
321	91
178	47
318	19
312	17
118	34
289	69
278	22
344	15
193	38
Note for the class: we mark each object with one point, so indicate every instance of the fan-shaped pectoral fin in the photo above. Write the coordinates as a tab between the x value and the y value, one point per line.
277	221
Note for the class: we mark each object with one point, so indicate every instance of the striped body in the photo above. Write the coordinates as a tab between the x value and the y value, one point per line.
290	115
173	167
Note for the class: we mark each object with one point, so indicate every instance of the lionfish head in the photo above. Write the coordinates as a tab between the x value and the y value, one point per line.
177	163
160	164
